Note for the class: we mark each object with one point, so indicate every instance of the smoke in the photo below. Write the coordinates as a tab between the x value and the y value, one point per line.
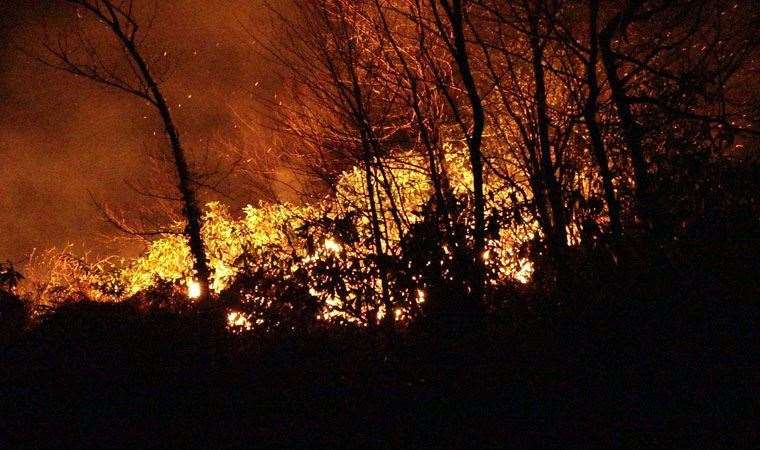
62	137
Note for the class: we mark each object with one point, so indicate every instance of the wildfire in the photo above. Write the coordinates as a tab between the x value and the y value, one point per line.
278	239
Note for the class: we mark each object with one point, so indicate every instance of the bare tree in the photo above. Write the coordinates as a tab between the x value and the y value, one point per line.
532	111
632	133
338	113
85	60
407	70
452	32
558	239
590	113
581	41
656	83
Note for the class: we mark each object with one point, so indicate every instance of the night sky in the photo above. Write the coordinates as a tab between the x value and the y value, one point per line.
62	137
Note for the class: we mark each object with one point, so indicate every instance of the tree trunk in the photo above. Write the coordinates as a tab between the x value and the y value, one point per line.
439	195
455	15
632	134
388	318
590	116
190	207
558	239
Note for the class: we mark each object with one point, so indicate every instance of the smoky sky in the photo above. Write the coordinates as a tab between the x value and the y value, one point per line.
62	138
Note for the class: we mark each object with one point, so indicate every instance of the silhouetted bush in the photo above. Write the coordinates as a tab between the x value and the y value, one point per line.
14	316
629	357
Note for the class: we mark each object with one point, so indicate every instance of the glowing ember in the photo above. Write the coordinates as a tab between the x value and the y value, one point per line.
238	321
193	289
332	245
525	272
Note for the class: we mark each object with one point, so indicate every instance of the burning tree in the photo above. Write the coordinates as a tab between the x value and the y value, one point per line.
133	75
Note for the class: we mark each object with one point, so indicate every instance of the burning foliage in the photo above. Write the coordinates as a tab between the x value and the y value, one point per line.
313	260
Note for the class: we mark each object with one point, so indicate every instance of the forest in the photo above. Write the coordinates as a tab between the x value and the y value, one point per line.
477	224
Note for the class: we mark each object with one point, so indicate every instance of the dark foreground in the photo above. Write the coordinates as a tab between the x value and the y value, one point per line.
661	362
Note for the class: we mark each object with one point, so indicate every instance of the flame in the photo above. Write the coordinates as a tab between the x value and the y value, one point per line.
238	321
332	245
268	236
526	271
193	289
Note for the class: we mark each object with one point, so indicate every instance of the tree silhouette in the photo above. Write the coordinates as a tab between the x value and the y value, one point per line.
138	81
